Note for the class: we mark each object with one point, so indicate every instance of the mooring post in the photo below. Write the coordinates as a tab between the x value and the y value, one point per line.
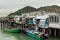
49	31
54	32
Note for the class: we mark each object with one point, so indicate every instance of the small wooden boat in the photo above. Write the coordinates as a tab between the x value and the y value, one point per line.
36	36
11	30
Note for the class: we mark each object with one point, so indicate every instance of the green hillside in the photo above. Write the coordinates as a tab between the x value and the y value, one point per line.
53	8
24	10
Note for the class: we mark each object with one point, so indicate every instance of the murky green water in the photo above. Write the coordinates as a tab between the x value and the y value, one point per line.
17	36
54	39
14	36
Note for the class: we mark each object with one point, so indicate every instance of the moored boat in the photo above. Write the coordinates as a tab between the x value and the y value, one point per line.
35	35
21	30
11	30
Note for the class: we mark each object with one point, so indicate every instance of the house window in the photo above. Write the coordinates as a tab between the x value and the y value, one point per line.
54	18
20	19
57	19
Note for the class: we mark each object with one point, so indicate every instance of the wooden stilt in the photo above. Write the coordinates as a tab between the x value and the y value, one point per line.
50	32
55	33
1	24
59	32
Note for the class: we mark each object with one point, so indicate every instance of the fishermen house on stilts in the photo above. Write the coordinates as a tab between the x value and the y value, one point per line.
54	24
48	21
43	22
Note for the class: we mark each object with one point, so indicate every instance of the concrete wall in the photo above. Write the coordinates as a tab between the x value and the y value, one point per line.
54	25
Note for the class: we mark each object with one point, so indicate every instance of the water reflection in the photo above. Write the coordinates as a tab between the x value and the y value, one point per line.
17	36
13	36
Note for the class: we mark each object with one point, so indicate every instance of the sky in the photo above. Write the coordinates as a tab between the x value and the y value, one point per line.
10	6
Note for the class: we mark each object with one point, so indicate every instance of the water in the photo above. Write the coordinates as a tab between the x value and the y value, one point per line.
18	36
54	39
14	36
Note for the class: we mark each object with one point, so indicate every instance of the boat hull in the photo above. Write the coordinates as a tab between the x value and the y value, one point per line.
34	36
22	31
11	30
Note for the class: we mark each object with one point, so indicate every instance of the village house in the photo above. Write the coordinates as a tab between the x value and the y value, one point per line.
53	19
54	24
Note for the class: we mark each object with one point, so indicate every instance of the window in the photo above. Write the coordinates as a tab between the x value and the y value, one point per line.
54	18
20	19
57	19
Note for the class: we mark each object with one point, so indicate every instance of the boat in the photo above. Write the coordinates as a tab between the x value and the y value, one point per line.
11	30
21	30
35	35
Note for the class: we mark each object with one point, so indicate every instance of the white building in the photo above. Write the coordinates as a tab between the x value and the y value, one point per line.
54	18
54	21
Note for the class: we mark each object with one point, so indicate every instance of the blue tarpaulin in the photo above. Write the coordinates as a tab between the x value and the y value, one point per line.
42	23
30	21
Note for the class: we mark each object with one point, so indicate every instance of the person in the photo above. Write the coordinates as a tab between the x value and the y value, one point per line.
21	30
45	36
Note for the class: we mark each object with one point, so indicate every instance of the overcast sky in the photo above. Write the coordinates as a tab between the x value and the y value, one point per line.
8	6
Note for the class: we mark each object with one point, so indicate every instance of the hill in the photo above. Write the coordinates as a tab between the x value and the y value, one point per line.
24	10
53	8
